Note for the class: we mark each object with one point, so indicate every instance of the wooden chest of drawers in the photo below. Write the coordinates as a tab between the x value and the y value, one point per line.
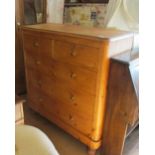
66	74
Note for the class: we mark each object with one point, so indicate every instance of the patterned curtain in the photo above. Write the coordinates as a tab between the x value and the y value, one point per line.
55	10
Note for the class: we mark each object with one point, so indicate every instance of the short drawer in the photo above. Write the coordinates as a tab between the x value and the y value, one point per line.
31	41
77	54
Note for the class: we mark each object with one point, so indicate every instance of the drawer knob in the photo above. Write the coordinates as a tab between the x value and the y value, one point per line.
73	53
73	75
71	118
40	99
72	97
38	62
36	44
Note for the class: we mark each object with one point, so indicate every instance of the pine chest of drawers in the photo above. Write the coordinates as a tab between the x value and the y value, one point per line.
66	73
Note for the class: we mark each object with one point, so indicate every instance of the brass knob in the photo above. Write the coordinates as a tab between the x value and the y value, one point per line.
73	53
73	75
36	44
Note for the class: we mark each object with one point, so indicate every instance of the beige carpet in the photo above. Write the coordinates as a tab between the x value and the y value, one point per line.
66	144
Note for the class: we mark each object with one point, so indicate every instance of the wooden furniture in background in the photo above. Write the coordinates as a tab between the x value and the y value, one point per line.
20	86
66	73
19	115
122	102
27	12
34	11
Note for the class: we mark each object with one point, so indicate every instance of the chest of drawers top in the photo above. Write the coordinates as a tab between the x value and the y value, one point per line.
80	31
114	41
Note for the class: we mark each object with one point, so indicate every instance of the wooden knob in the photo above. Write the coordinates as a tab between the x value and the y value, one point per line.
40	99
38	62
36	44
73	75
72	97
73	53
71	118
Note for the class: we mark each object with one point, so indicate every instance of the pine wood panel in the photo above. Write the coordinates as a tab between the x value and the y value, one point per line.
20	86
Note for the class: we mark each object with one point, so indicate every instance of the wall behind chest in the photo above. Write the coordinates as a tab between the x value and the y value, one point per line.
87	14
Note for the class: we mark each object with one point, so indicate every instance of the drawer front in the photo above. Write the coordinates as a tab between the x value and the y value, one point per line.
32	42
31	60
77	54
40	102
78	121
32	92
34	98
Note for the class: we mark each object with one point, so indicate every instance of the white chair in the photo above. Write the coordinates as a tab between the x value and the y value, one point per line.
32	141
